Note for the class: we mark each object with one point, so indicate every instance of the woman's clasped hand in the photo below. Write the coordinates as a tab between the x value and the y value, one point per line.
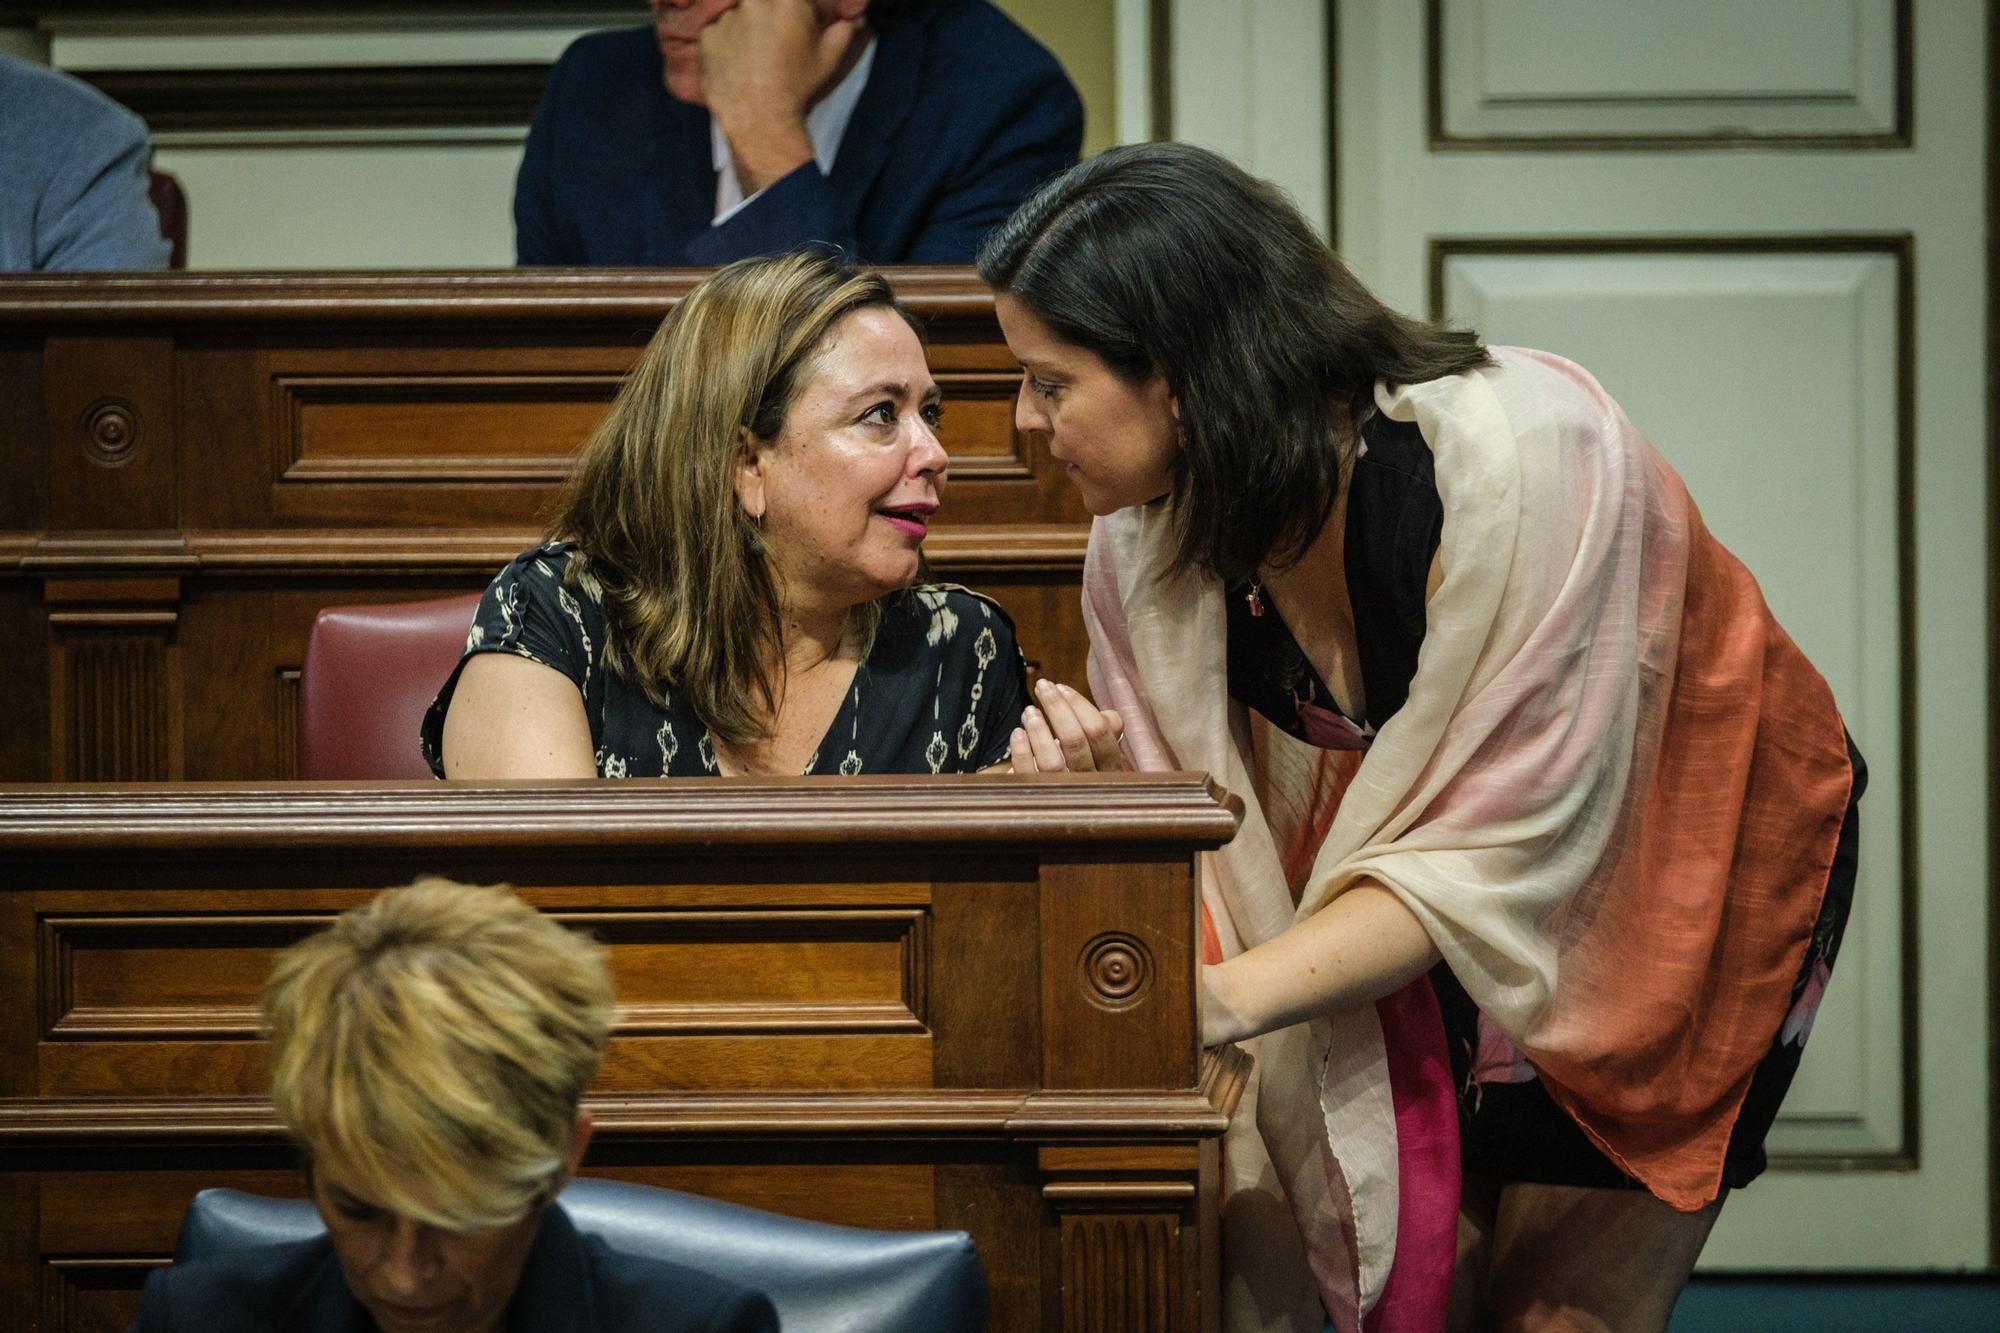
1063	732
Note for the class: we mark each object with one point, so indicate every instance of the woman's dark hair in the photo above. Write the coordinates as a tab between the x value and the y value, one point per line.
1166	258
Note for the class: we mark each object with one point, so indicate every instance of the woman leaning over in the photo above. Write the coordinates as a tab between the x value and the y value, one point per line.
1548	816
730	584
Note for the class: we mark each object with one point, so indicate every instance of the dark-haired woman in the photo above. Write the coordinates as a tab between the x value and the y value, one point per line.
1546	815
730	584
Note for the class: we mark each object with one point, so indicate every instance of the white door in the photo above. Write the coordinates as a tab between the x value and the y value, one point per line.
1762	227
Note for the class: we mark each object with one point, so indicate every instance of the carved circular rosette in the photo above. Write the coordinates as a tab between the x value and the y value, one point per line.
1116	970
110	431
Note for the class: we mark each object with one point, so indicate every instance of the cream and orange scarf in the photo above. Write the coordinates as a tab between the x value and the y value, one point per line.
1612	799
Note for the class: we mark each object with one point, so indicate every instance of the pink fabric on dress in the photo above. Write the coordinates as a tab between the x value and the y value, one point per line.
1427	1170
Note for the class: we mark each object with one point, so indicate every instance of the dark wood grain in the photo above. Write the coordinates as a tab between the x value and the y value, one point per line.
327	96
879	1001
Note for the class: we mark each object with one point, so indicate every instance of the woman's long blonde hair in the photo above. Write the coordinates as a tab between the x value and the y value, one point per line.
651	504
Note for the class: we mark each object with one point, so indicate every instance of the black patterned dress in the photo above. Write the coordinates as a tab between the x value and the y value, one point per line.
939	692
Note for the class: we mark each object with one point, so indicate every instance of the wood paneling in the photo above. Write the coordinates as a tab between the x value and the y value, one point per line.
1122	1270
887	1002
432	429
321	97
115	687
277	443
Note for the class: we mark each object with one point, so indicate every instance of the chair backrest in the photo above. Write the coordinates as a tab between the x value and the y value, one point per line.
368	675
170	202
832	1279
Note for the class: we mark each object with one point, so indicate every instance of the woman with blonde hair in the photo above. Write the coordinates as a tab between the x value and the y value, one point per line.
731	584
429	1053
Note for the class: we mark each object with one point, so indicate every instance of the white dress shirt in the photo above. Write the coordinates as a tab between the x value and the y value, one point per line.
826	125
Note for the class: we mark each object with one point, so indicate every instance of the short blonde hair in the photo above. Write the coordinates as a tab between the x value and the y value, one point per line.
433	1046
651	503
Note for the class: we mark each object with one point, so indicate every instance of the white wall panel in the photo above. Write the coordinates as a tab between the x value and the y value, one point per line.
349	201
1594	69
1403	193
1250	81
1133	33
1769	381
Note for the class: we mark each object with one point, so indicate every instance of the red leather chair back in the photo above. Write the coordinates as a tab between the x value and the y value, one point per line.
170	202
368	675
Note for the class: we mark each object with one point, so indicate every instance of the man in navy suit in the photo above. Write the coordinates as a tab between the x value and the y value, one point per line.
901	131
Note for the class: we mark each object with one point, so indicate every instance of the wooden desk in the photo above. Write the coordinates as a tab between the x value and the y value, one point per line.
892	1002
192	465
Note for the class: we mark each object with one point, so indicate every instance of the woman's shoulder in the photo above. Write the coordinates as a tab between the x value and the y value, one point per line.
1521	392
946	612
1533	384
1394	447
550	570
550	560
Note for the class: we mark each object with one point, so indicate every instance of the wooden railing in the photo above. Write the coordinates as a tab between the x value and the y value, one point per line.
891	1002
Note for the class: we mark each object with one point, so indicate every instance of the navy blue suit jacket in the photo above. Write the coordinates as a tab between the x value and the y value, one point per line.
570	1284
962	116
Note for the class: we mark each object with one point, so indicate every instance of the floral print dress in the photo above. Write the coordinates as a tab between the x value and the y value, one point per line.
940	691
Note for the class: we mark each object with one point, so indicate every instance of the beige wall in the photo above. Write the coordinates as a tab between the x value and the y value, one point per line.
1082	34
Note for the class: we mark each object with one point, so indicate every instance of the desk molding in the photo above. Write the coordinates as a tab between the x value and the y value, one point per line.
869	814
1199	1112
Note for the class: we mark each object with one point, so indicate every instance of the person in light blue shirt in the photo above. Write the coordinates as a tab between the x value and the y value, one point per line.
73	176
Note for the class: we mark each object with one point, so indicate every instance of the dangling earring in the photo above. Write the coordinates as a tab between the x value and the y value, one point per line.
756	534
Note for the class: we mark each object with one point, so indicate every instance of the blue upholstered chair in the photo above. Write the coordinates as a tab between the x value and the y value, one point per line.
821	1278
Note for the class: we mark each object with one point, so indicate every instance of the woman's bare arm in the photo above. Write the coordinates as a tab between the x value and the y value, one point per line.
512	717
1358	948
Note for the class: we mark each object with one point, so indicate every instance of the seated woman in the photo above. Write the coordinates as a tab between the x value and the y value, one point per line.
730	584
429	1052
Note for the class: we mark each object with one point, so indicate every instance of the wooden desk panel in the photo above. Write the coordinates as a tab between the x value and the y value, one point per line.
891	1002
205	460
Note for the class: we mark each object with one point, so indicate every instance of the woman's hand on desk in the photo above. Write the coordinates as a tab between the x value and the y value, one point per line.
1363	945
1063	732
1220	1021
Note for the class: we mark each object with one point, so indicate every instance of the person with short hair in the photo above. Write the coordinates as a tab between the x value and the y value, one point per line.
897	131
1550	829
429	1054
733	582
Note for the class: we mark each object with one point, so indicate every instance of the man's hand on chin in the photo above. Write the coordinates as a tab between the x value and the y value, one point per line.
763	65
